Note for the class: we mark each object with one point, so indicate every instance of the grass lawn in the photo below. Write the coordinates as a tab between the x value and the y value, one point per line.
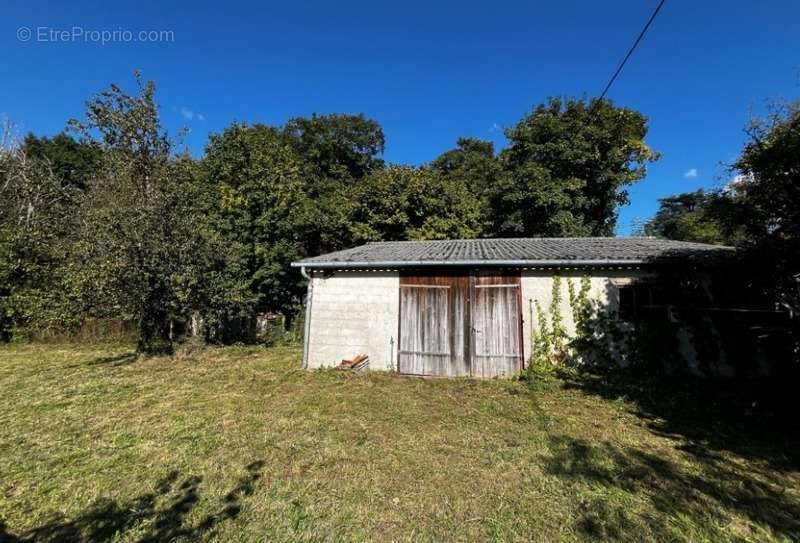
239	444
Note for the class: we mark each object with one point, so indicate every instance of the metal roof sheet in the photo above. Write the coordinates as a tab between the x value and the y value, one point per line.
512	252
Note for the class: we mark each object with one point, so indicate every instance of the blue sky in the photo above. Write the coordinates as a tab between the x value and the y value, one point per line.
429	72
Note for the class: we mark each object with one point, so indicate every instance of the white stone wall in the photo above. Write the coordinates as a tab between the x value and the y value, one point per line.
538	285
351	313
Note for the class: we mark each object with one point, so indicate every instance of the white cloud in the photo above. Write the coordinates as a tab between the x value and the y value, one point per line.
691	174
190	115
736	182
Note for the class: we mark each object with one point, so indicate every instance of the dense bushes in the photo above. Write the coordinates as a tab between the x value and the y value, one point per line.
693	330
758	211
114	222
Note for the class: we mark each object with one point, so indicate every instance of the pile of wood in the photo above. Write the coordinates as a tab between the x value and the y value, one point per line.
357	364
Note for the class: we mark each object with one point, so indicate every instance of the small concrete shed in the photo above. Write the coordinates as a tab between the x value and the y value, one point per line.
460	307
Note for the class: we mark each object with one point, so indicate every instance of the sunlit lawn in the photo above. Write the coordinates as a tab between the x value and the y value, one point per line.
239	444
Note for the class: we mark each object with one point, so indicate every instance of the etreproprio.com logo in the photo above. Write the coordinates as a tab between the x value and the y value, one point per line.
79	34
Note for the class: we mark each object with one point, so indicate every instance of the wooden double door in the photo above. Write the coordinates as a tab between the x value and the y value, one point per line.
460	323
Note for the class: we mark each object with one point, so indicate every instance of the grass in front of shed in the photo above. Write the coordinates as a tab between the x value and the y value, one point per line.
239	444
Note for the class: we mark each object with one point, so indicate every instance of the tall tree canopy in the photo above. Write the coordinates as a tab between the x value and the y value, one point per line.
768	186
762	202
472	162
566	169
698	216
37	219
402	202
338	146
337	152
152	236
73	162
140	242
262	210
766	203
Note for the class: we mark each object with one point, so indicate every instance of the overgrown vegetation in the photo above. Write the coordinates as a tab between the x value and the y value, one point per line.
757	211
600	340
566	169
114	220
141	252
603	340
239	444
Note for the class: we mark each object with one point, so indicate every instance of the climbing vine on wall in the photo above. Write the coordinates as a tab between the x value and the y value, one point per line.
550	335
602	339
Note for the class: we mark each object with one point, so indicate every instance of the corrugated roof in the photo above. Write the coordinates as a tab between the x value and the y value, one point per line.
512	252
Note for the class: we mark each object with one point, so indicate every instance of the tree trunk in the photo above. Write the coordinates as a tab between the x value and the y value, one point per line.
288	320
154	337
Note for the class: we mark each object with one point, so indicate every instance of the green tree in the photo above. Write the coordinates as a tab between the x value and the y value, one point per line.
766	204
760	205
138	250
336	152
73	162
472	162
768	185
566	169
529	201
402	202
262	212
37	220
693	216
473	166
336	146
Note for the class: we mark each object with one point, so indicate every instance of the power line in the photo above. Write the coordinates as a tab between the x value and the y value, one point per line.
624	60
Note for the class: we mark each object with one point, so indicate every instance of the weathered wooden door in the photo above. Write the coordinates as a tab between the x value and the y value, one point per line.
433	324
455	323
496	326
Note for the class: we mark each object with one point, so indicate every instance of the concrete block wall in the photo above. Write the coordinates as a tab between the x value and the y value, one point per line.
354	312
357	312
538	285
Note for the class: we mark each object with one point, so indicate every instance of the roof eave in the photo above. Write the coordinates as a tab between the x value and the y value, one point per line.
471	263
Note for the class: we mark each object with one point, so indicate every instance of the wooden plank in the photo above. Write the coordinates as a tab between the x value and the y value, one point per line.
497	331
460	323
428	353
496	276
432	330
424	328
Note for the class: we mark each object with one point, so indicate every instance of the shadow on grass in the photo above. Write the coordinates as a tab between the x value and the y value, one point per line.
754	419
112	361
689	504
152	517
108	361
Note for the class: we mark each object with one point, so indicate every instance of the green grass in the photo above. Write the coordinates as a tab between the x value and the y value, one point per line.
239	444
